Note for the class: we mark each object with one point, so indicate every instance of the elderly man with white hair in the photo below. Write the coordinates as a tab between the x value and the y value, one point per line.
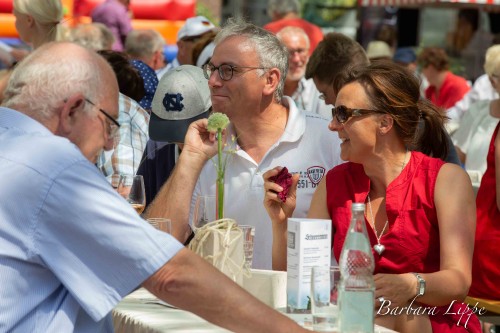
71	247
303	91
146	45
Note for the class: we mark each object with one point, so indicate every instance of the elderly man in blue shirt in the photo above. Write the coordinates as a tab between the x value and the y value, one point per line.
70	246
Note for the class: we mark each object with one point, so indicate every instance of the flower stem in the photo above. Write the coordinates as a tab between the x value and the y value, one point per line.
220	177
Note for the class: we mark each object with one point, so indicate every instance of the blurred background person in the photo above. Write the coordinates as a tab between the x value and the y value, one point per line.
10	55
170	121
92	35
146	45
406	57
37	22
116	16
473	136
470	42
131	136
194	29
481	90
286	13
149	80
335	53
445	88
303	91
378	50
203	49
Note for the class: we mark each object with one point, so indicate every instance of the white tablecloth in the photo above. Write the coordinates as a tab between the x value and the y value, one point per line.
138	312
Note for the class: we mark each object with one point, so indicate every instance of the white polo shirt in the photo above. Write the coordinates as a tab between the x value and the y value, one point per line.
307	147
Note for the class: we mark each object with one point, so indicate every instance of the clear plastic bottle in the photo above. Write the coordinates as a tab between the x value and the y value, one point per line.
357	288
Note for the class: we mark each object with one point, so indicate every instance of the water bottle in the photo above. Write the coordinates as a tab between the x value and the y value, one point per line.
357	288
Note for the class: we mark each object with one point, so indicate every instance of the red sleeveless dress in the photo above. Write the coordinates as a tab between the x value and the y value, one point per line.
486	260
412	243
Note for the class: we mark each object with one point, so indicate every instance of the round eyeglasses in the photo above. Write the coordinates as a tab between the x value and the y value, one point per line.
342	113
226	71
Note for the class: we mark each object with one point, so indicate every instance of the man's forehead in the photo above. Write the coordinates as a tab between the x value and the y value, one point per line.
238	44
294	37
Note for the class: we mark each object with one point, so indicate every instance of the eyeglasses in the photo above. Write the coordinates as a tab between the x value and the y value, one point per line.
226	71
113	125
300	51
343	113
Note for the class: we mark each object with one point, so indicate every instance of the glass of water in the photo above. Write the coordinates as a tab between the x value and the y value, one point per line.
324	293
248	235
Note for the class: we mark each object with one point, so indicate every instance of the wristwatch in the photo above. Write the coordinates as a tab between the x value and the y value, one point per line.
420	285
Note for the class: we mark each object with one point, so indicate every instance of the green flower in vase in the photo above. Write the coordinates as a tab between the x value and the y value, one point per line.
217	122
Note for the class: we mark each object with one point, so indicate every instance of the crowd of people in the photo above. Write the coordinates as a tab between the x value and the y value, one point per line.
97	101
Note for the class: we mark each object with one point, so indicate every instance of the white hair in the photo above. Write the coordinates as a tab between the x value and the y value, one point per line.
290	30
143	43
47	15
89	35
492	60
40	83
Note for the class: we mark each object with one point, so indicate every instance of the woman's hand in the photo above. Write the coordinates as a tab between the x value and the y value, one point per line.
279	211
397	290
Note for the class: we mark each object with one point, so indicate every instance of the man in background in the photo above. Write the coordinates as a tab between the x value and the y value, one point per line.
286	13
334	54
193	30
301	90
146	45
182	97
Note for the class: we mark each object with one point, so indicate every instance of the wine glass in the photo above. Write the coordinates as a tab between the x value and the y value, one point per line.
132	189
204	210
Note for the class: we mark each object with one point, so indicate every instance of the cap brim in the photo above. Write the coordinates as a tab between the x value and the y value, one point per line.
171	130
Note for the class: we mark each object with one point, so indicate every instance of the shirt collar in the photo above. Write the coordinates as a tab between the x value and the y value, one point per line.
10	118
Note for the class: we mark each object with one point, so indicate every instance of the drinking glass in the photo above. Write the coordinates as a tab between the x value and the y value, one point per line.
161	223
248	235
324	291
132	189
204	211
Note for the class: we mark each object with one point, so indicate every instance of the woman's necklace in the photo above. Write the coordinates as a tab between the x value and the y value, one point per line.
380	248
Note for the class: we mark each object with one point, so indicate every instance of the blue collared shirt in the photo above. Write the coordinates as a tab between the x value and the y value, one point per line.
70	246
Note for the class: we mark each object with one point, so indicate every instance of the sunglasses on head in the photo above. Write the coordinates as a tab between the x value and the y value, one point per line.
343	113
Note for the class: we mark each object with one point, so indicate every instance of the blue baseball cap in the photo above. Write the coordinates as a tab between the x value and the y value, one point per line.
404	55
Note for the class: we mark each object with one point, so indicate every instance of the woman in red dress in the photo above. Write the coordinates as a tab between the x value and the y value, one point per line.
420	211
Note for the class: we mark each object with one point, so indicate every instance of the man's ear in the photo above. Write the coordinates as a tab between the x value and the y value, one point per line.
71	107
386	123
273	77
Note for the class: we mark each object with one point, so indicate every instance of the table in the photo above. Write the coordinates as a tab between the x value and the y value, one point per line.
140	312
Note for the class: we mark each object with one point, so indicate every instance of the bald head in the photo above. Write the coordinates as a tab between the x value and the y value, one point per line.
65	87
52	73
